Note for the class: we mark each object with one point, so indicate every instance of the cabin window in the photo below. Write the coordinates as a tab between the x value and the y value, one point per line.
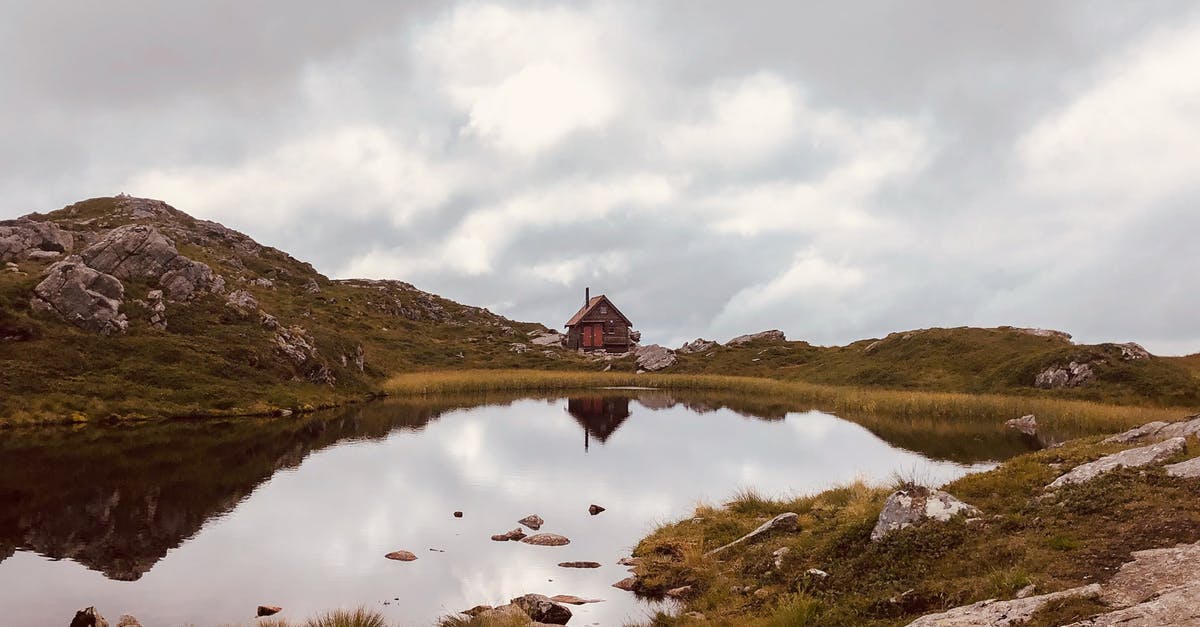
603	309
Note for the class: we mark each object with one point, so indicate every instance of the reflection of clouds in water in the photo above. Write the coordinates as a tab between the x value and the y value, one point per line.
314	538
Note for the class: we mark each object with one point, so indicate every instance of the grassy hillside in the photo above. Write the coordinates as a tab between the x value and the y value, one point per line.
216	358
1003	360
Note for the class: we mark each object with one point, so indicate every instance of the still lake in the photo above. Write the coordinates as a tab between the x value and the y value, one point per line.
198	522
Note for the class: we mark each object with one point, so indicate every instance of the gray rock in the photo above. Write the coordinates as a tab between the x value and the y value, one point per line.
242	301
654	357
1182	429
698	345
82	296
546	338
542	609
1130	458
295	344
1072	375
1189	469
158	309
311	286
774	335
88	617
29	239
994	613
1178	606
1131	351
1137	433
910	506
42	255
1025	424
141	252
784	522
1062	335
518	348
816	572
779	554
1151	571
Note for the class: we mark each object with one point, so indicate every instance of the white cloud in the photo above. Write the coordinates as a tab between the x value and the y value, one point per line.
1132	137
745	123
351	171
525	79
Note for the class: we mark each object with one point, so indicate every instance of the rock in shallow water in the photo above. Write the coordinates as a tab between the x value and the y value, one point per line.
543	610
268	610
579	564
533	521
546	539
88	617
401	556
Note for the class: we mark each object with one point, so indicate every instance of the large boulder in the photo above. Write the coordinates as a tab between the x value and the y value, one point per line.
994	613
1158	431
1072	375
774	335
546	539
141	252
915	504
82	296
1025	424
698	345
654	357
1129	458
29	239
546	338
543	610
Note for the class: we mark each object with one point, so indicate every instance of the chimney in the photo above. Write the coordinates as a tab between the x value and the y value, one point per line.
587	296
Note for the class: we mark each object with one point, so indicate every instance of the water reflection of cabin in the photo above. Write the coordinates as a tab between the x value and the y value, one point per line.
599	325
598	415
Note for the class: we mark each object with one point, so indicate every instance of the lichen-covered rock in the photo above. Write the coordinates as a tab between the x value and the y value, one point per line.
1130	458
774	335
141	252
913	505
1072	375
242	301
1178	606
654	357
295	344
30	239
542	610
994	613
82	296
1132	351
546	338
401	556
698	345
1061	335
1150	572
158	309
533	521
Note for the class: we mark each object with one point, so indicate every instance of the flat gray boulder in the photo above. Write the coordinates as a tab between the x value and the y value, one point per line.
914	505
1189	469
1130	458
1072	375
996	613
654	357
86	298
774	335
1135	434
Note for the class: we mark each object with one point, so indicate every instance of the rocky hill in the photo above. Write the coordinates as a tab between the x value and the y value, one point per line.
127	306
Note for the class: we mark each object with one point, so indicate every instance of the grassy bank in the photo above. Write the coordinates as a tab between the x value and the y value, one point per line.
929	409
1078	537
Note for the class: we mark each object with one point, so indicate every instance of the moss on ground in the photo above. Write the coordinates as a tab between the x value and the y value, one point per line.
1080	535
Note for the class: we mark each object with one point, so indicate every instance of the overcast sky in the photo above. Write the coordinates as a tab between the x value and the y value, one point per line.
835	170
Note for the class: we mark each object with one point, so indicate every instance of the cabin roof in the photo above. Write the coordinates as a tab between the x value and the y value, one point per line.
592	304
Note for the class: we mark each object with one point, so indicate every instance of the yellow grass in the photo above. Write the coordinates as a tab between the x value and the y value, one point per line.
923	407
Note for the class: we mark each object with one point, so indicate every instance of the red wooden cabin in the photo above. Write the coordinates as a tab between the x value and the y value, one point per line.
599	325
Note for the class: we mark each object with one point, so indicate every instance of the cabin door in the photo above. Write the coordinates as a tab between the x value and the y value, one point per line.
593	335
